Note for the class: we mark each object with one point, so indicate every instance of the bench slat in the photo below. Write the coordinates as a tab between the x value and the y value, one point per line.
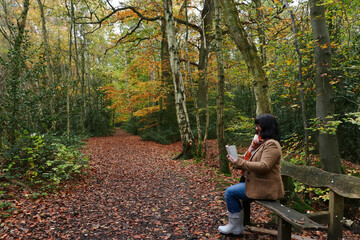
292	216
344	185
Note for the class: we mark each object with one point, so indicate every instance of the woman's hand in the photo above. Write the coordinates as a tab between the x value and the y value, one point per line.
231	159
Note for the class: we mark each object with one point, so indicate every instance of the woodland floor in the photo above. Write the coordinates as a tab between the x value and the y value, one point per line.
135	191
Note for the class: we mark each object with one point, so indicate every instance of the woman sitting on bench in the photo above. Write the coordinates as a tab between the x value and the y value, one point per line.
262	174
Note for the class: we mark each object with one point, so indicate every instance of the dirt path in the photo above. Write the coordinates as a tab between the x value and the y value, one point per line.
135	191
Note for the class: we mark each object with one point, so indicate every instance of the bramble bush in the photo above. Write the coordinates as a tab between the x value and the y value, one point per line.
40	159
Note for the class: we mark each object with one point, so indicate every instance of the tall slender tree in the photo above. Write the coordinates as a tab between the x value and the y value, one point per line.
250	53
301	83
325	106
187	137
168	114
207	15
16	39
224	162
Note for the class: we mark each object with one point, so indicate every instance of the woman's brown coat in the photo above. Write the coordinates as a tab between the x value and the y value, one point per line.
262	171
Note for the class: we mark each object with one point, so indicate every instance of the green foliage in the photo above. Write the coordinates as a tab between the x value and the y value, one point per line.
4	195
315	193
244	100
6	209
353	118
42	159
99	116
98	122
240	130
294	152
36	195
346	126
326	126
160	135
14	98
155	127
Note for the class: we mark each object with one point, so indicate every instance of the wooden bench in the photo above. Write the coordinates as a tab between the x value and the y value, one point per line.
340	186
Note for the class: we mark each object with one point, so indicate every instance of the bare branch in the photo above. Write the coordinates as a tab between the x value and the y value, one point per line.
115	10
127	34
192	63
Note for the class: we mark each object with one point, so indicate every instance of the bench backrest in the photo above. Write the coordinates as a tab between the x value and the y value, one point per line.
342	184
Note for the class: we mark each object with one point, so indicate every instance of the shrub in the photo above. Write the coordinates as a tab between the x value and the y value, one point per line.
41	159
160	135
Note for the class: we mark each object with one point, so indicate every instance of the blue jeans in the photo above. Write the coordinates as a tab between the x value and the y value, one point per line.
232	196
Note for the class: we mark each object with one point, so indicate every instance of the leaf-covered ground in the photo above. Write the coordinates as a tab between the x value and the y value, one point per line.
133	191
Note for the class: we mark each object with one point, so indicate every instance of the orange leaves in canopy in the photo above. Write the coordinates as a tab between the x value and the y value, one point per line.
148	9
147	110
140	99
121	15
138	89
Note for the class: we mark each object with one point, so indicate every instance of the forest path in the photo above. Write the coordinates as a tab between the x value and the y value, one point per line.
135	191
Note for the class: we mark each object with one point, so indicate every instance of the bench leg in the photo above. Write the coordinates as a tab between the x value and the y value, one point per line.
246	208
336	209
284	230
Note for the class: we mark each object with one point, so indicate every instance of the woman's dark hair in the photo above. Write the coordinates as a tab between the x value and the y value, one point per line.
269	126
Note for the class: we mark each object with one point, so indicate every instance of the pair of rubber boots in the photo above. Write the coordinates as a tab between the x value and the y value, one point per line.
235	225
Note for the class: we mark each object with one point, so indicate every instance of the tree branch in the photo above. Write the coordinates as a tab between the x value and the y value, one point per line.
127	34
192	63
115	10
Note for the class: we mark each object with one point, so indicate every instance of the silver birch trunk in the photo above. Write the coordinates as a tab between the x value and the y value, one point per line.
187	137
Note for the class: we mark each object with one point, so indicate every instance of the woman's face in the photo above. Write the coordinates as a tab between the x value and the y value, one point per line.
257	128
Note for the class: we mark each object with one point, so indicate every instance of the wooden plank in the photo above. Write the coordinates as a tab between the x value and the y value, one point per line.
344	185
336	210
291	216
321	217
273	232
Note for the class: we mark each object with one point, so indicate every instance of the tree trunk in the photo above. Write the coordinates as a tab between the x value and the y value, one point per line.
18	65
47	54
196	98
260	29
224	162
168	116
250	54
325	107
301	85
46	42
83	74
207	17
187	137
77	68
68	80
